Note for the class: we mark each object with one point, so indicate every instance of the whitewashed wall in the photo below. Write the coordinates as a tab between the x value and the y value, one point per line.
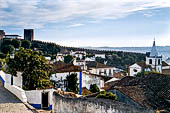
98	70
60	58
20	93
100	55
2	74
60	77
155	63
17	80
88	79
165	67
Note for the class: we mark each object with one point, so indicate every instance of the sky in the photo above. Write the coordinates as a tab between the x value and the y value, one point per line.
80	23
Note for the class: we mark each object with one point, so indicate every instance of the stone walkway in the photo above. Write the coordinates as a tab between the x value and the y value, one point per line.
10	103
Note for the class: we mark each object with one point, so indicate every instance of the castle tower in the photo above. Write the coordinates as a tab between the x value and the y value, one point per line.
154	60
29	34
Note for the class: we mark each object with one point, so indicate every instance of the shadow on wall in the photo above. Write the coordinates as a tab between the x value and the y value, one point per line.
92	105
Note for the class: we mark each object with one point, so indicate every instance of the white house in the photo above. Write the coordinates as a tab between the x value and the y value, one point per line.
100	55
48	58
89	79
85	78
138	67
61	71
78	54
80	63
13	36
90	59
100	69
40	99
60	57
60	81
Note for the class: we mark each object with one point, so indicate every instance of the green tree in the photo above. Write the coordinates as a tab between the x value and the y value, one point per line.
16	43
72	83
100	60
26	44
52	48
68	59
6	42
34	68
94	88
8	49
2	55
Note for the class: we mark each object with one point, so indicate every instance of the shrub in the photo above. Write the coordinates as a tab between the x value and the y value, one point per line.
94	88
107	95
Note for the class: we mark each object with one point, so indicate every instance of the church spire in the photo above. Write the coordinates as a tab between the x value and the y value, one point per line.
154	52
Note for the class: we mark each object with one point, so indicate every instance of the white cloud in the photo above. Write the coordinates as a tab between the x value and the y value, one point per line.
75	25
37	13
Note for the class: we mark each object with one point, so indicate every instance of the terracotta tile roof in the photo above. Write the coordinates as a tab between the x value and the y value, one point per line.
94	64
150	91
126	81
166	71
143	65
61	67
135	93
164	63
105	78
119	75
108	85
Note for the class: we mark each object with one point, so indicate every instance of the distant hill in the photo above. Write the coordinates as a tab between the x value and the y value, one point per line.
162	50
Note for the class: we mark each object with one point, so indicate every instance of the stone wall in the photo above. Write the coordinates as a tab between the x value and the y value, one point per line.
92	105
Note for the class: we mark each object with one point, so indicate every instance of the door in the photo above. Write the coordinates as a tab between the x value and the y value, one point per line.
45	100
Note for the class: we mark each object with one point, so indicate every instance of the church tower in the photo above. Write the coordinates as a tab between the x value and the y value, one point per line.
154	60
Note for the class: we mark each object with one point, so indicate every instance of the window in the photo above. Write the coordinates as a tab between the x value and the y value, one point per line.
105	71
100	72
135	70
159	61
150	61
110	71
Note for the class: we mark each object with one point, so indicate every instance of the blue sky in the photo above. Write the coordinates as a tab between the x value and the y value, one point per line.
113	23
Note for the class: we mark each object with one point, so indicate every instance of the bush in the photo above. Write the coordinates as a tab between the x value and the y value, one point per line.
107	95
94	88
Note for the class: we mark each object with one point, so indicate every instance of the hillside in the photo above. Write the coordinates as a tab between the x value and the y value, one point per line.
118	59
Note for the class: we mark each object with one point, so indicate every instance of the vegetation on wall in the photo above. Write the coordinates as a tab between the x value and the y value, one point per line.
107	95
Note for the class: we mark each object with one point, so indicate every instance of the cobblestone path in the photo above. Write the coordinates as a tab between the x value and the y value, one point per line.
11	104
